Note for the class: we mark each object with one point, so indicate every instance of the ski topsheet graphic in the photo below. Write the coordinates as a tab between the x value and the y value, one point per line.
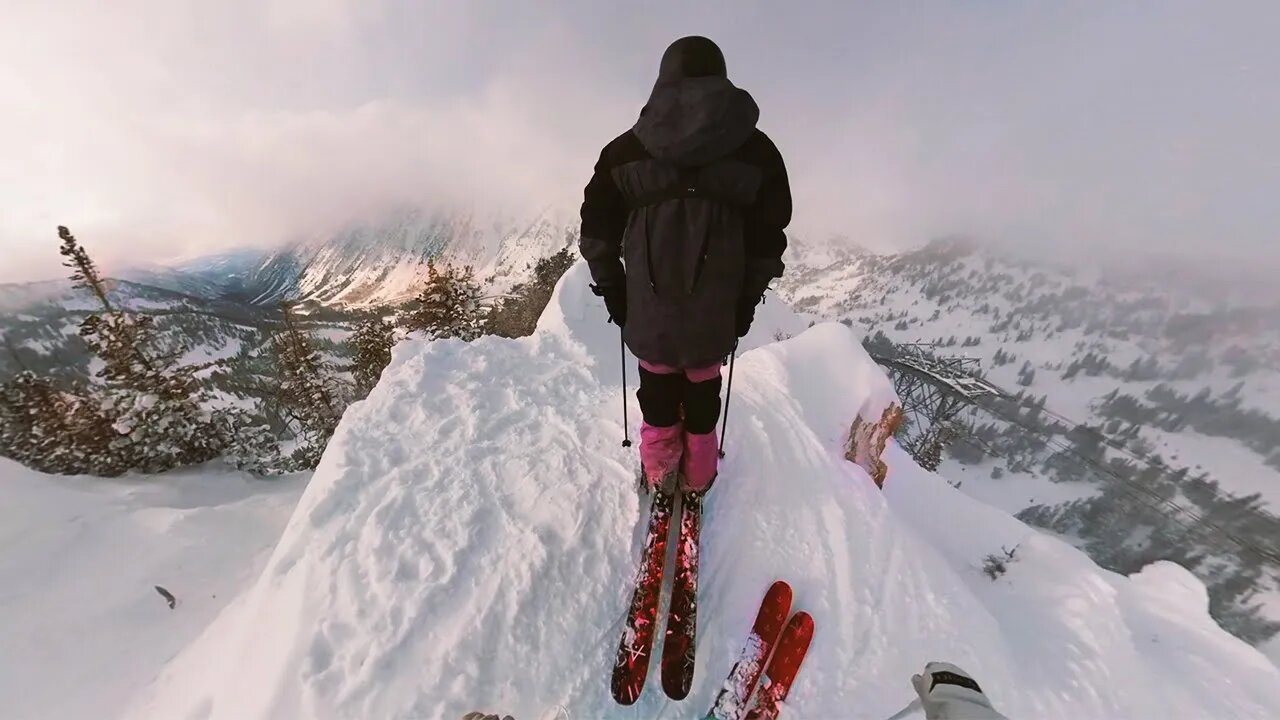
679	644
632	664
775	648
731	703
787	656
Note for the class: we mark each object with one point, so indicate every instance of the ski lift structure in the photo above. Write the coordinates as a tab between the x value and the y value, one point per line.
934	390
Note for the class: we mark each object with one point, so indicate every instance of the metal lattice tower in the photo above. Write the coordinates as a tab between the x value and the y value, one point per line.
933	391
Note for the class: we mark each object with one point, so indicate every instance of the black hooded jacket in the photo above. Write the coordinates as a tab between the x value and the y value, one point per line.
688	208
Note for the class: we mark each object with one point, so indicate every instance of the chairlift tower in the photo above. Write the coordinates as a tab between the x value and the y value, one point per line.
933	390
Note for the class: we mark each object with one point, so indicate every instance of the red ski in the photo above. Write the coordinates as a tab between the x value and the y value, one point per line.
792	646
731	703
682	621
632	665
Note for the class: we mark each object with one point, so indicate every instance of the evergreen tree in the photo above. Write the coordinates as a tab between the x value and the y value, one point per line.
1141	370
54	431
84	272
930	455
248	442
153	405
879	345
371	345
308	395
449	306
1026	375
517	315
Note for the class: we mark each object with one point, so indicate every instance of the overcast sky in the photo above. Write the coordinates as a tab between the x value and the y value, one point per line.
163	128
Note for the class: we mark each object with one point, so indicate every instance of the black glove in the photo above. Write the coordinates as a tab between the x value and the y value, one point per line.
615	299
746	314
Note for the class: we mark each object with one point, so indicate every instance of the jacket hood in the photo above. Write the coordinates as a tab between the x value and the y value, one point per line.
695	115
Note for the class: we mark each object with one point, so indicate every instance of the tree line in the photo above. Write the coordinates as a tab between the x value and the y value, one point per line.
145	410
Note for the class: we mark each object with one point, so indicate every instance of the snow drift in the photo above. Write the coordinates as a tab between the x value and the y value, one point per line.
81	625
469	539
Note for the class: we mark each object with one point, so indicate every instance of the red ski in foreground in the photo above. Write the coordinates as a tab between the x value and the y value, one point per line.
731	703
790	652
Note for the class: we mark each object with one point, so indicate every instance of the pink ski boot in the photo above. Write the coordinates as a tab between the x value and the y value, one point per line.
660	451
701	461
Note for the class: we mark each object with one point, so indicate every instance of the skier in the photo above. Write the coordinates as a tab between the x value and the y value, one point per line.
682	227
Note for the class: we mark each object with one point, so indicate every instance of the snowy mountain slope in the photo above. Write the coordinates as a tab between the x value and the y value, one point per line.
385	262
81	625
40	322
223	266
1018	317
174	280
1181	377
469	539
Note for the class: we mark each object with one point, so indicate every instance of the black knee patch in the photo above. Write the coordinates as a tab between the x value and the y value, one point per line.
702	406
660	397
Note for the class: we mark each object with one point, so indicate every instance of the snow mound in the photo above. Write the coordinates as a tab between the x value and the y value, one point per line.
469	539
81	625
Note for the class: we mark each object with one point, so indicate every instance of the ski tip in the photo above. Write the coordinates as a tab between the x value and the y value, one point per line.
774	609
625	699
801	627
677	693
779	594
803	620
626	687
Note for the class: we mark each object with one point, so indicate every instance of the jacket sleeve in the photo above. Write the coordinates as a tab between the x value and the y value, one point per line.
604	219
765	221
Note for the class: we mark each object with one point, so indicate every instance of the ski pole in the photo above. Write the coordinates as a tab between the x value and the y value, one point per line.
626	425
728	394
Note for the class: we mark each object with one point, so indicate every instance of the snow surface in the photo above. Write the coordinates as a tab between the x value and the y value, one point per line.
1012	492
82	629
469	539
219	349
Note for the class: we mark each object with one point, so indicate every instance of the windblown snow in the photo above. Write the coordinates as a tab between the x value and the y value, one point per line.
469	540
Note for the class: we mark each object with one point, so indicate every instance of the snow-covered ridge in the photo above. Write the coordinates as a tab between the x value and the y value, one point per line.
469	538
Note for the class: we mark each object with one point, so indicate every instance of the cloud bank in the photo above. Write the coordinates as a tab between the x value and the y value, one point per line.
162	129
